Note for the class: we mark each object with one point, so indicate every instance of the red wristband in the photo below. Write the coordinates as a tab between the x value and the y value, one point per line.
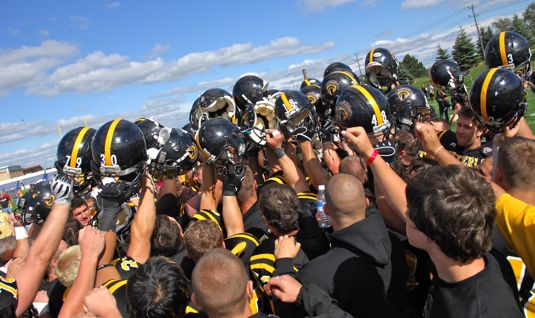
372	157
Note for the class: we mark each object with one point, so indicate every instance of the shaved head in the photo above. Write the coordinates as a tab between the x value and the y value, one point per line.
354	166
345	199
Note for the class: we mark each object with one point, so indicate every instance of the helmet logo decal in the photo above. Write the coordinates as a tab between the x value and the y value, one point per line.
192	152
109	139
503	52
331	87
483	96
403	93
312	99
74	162
343	112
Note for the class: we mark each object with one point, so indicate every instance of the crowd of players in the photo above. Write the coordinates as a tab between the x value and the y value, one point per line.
225	217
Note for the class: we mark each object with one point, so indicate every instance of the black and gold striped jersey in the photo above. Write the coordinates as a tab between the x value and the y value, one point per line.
117	287
126	266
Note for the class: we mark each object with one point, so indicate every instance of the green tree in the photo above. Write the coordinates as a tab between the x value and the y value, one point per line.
529	15
502	24
413	66
442	54
486	35
404	75
520	26
464	51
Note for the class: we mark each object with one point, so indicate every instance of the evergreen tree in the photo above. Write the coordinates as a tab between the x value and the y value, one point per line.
464	51
502	24
413	66
442	54
520	27
404	75
529	16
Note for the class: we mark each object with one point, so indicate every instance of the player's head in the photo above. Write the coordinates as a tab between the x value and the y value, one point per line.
280	207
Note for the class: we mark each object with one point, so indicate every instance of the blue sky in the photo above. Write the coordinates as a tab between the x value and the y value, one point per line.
63	63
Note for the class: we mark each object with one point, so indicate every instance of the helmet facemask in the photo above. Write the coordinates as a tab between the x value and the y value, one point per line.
379	76
260	117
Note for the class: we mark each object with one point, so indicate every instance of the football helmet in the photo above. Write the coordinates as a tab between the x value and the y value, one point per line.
151	131
382	68
256	119
313	93
36	203
214	103
295	114
498	98
74	158
407	104
249	89
446	73
220	142
365	106
337	66
177	155
310	82
119	151
508	49
331	87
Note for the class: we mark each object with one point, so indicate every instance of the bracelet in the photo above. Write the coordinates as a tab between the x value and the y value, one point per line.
20	233
372	157
279	152
436	151
104	266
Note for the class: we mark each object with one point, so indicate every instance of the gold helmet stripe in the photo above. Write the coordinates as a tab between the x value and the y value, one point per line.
373	102
503	52
371	55
307	82
483	96
109	139
198	142
77	142
286	103
349	75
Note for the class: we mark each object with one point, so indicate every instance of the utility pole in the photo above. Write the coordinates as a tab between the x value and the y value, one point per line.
358	63
474	15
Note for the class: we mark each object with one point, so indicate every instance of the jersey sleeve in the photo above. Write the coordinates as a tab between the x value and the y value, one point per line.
126	266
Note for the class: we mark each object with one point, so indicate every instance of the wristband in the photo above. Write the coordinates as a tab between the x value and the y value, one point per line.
436	151
372	157
20	233
279	152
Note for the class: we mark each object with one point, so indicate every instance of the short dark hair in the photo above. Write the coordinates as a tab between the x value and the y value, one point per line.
159	288
516	159
280	207
166	239
202	236
468	113
77	201
70	231
455	208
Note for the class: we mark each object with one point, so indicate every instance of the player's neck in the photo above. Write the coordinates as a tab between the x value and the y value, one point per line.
452	271
525	195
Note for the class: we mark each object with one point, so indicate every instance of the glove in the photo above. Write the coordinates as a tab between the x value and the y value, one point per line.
387	150
62	189
233	179
109	201
305	132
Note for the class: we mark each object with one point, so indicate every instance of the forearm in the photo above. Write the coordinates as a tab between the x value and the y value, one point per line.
232	215
208	199
312	165
22	247
142	227
293	175
84	282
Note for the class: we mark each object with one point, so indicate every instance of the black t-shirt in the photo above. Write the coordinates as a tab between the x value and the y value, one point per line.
484	295
254	223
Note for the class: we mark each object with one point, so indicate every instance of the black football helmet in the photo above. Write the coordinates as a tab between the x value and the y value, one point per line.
365	106
295	114
508	49
407	104
310	82
177	156
313	93
249	89
256	119
220	142
151	130
331	87
36	203
446	73
498	98
214	103
74	158
382	68
336	66
119	152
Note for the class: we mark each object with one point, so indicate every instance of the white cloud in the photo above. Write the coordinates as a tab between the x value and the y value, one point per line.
43	32
98	71
44	154
158	49
113	5
416	4
321	5
80	21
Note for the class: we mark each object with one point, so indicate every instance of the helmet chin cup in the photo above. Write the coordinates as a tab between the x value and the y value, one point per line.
256	135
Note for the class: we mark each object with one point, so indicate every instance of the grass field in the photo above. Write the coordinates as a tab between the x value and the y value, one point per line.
469	78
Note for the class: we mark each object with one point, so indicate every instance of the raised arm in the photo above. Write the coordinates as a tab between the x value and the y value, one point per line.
232	214
312	165
45	245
